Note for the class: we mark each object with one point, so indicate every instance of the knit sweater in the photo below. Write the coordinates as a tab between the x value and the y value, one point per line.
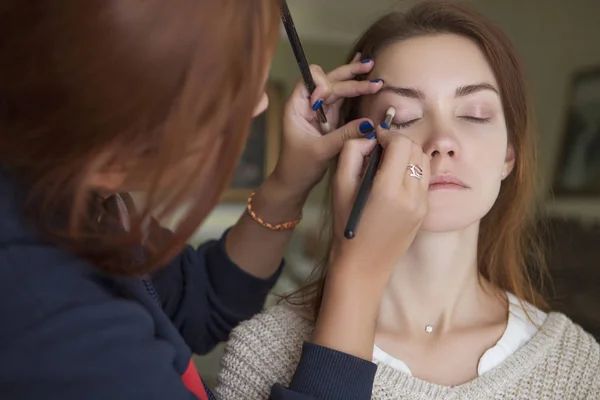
560	362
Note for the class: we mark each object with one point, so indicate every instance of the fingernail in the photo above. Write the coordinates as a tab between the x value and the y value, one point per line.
384	125
371	136
376	80
366	60
365	127
317	105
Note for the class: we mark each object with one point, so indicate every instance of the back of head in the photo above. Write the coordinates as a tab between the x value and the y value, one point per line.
509	255
157	93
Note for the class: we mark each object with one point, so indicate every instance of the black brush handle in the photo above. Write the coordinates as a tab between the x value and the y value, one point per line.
290	29
363	193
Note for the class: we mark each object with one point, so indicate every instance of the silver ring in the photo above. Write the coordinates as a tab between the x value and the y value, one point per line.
415	171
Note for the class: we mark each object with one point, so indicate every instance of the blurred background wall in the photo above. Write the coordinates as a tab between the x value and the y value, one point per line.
557	40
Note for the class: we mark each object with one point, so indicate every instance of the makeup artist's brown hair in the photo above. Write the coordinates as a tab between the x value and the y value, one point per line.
161	91
509	253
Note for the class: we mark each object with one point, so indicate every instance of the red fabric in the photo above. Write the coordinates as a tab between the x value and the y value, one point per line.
191	380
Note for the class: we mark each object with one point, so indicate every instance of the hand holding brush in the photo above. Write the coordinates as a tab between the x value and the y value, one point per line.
360	269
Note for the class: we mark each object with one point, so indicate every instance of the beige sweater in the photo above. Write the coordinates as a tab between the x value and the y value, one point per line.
560	362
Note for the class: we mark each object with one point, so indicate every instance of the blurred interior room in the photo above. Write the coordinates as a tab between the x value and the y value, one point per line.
557	41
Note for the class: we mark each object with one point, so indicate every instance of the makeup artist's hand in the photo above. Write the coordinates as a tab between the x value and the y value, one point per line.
306	151
360	268
396	205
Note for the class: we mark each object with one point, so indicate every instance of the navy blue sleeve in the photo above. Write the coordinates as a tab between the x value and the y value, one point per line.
95	351
206	295
323	373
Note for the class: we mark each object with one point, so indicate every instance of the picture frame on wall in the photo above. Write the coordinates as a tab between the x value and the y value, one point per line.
578	168
261	151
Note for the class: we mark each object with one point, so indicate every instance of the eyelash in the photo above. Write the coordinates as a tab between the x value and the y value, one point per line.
476	120
403	125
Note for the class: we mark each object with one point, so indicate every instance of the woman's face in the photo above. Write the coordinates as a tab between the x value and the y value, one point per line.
447	100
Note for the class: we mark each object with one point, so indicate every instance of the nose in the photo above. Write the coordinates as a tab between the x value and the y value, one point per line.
441	143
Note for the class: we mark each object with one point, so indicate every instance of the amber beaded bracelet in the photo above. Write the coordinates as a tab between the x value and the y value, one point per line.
274	227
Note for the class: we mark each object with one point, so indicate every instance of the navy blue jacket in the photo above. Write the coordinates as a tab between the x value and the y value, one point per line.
71	332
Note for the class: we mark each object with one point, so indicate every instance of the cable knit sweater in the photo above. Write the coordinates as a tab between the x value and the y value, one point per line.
560	362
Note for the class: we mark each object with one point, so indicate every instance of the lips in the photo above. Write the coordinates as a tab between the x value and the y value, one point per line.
446	182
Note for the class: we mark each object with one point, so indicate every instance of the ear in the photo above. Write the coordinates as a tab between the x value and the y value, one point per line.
509	162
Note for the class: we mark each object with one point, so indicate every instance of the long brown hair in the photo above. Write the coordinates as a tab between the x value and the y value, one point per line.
509	253
162	91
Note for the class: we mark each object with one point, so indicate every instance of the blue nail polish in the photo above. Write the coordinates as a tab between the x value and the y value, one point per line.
376	80
371	136
384	125
365	127
366	60
317	105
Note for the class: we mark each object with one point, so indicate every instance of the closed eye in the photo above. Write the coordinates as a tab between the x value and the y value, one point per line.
475	119
402	125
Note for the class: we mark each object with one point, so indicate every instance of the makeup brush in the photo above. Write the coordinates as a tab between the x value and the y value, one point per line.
367	181
290	29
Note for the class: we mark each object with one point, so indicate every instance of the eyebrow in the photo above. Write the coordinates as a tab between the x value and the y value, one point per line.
461	91
470	89
404	91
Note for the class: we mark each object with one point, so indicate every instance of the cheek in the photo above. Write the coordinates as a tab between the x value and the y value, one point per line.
457	211
486	154
486	166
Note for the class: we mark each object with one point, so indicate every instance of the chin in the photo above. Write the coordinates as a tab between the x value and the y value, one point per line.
447	222
453	217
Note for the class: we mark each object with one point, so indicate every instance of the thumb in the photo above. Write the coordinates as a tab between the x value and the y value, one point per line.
334	141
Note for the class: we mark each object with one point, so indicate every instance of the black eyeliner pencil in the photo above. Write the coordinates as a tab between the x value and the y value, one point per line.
367	183
290	29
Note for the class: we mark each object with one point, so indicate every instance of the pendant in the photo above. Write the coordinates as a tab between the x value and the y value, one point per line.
428	328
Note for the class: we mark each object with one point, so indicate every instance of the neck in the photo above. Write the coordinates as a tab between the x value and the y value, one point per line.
437	284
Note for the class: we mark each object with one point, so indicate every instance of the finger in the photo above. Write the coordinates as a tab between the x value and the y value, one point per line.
356	57
351	159
323	87
348	174
349	71
413	171
386	136
353	89
365	165
426	165
395	158
299	92
333	142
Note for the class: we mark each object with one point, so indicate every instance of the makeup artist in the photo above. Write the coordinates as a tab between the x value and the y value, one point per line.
103	97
